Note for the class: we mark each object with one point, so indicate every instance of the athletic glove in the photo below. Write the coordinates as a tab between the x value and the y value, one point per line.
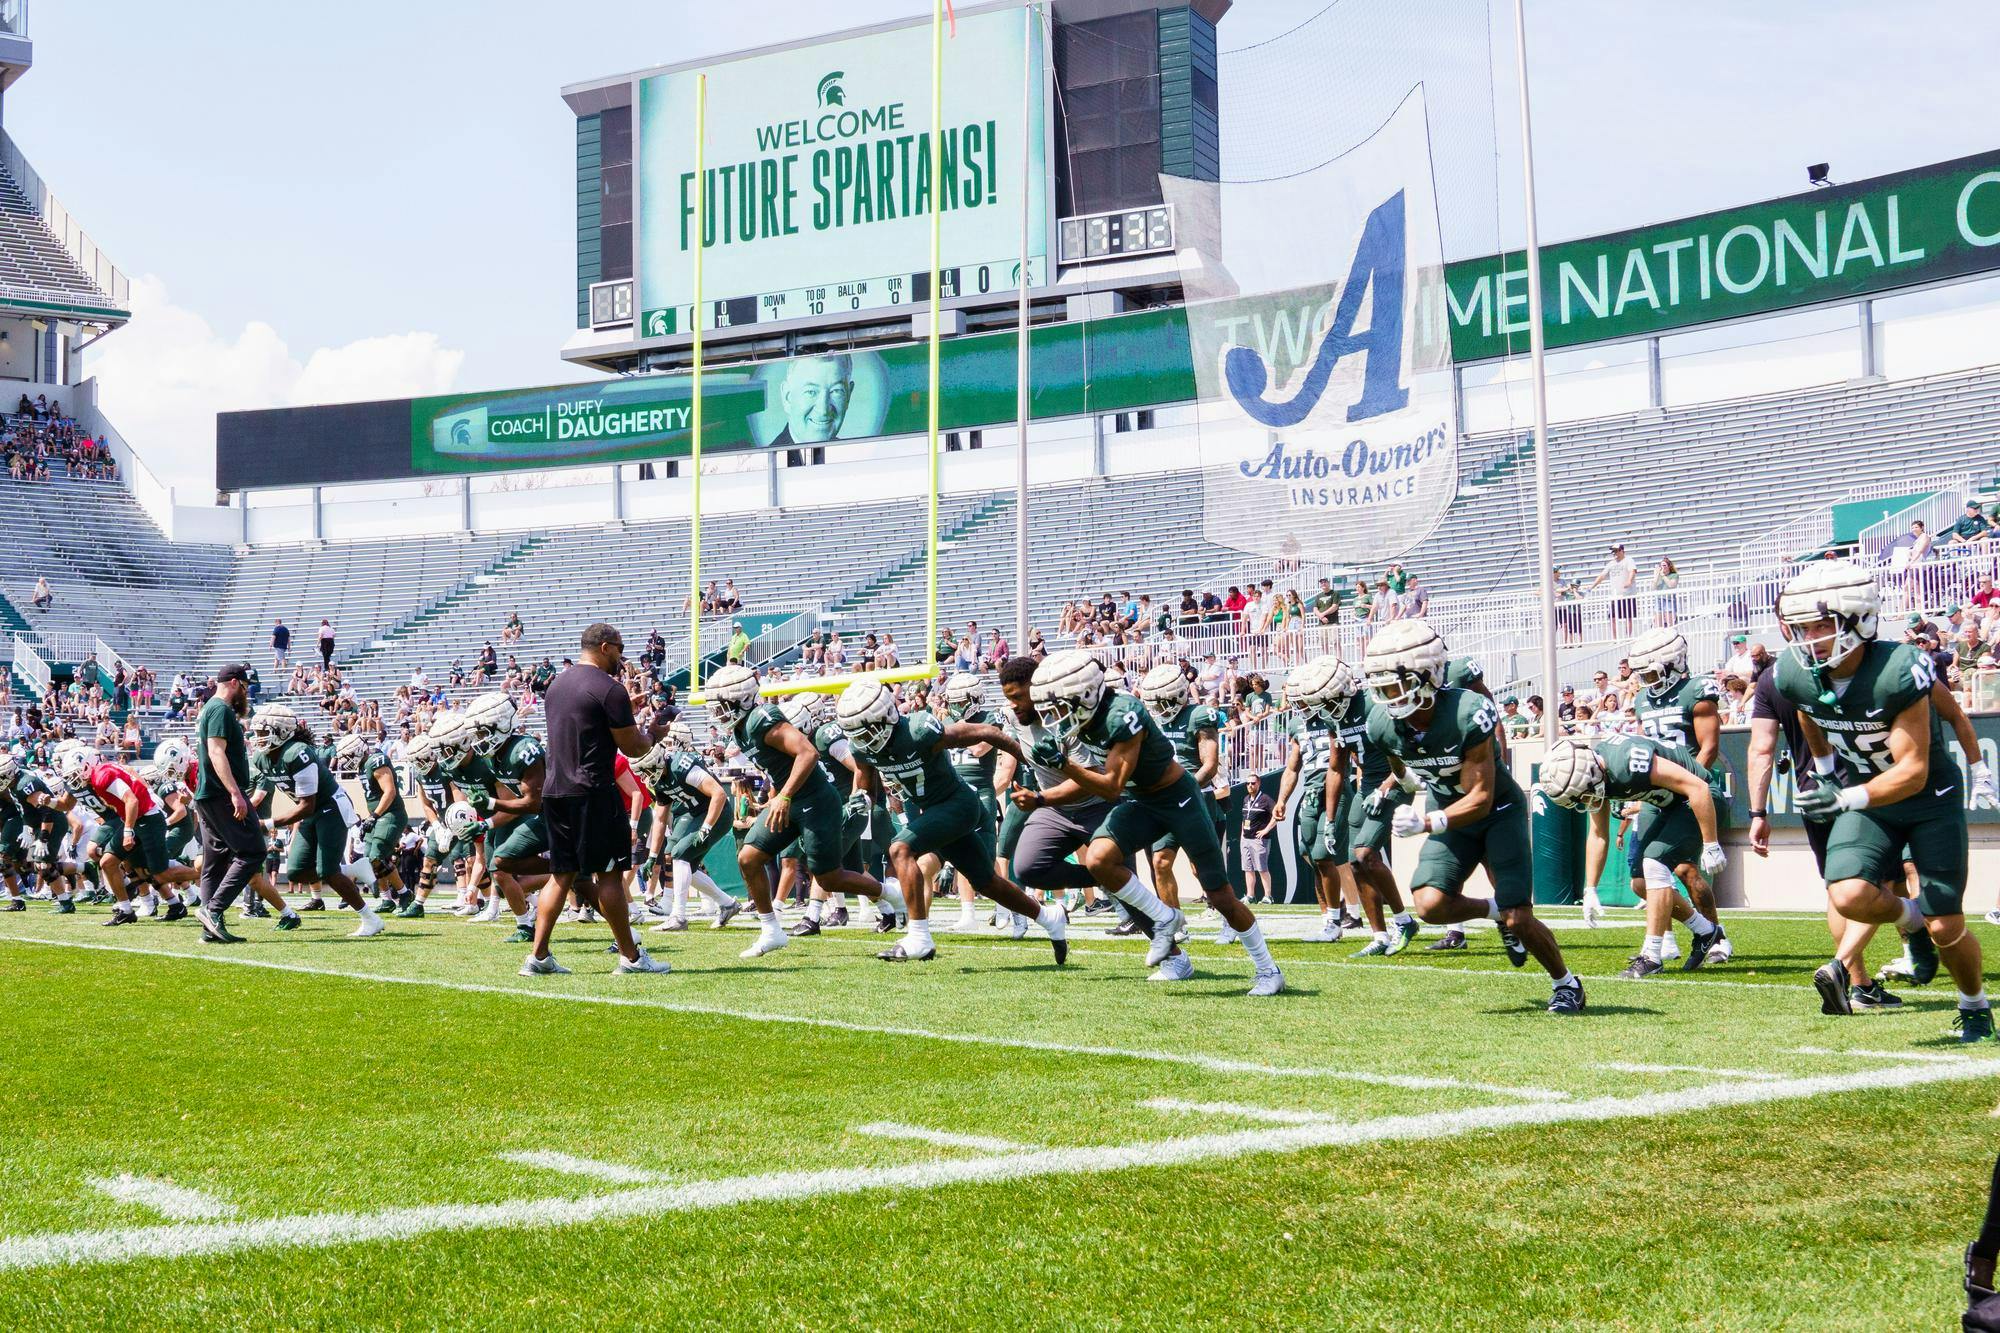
1826	800
480	801
1713	859
1329	840
1985	794
39	851
1593	909
1381	802
1409	821
857	804
441	838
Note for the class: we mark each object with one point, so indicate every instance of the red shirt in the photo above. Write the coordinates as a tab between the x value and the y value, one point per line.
114	786
621	767
1985	597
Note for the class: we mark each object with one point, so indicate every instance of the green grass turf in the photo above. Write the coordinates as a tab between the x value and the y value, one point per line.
286	1092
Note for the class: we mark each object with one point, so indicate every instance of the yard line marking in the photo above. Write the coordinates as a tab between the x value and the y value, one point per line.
611	1173
1935	1057
1268	1114
163	1197
1214	1064
1628	1067
322	1230
891	1129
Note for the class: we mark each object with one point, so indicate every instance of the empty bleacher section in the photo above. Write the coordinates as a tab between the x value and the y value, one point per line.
32	260
112	572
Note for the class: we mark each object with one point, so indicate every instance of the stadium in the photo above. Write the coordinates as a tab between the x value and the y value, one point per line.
1095	689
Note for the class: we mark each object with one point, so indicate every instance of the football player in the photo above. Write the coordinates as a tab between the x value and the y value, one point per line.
815	715
386	817
433	798
131	834
1195	732
1887	783
1677	831
1441	739
1109	745
283	758
805	808
698	804
1049	817
941	812
1317	693
479	751
42	828
1685	711
1460	673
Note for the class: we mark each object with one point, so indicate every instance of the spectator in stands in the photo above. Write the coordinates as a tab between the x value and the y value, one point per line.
730	602
1260	814
1364	608
1234	604
656	650
1290	619
325	643
1416	599
1213	609
1534	715
1326	604
1984	596
1209	680
25	408
1666	600
1566	708
419	678
1739	661
1601	690
1621	573
887	655
511	631
1190	607
1971	529
1916	579
739	643
44	596
281	645
1968	646
1510	717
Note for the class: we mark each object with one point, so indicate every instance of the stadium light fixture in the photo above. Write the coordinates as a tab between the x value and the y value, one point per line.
1817	176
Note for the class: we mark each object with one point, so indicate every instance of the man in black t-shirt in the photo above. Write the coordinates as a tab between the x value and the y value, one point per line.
589	721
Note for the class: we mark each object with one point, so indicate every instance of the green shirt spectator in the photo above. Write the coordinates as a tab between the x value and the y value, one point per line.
1974	527
218	719
739	643
1326	604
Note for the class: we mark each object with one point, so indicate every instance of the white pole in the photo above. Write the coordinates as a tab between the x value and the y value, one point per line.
1544	517
1030	69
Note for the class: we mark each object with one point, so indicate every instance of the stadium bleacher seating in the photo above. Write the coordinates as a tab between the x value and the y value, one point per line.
31	258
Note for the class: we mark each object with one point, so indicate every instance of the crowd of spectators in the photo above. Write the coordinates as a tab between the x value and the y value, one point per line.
38	435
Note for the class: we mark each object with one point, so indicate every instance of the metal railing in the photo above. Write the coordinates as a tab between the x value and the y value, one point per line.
68	232
32	667
1936	511
1813	531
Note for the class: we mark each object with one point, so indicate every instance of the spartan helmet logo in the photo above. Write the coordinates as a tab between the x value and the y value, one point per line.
461	433
830	93
656	324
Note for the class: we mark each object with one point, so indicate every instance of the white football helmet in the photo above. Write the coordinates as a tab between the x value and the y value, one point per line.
1164	691
74	760
1572	774
455	739
1321	688
962	694
807	711
1829	590
492	717
1067	688
422	753
164	779
270	727
1405	666
350	752
867	712
461	819
651	767
680	736
1659	657
731	693
174	752
10	767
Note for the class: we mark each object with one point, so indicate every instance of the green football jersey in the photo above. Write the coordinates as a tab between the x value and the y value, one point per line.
681	792
915	768
376	761
976	769
294	765
1463	673
1856	714
1368	761
752	734
832	742
514	757
1316	740
1184	730
1668	714
1435	756
1120	717
1628	768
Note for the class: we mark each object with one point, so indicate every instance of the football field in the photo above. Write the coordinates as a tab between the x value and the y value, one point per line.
305	1130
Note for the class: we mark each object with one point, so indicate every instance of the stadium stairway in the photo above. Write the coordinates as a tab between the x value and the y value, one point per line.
30	254
415	622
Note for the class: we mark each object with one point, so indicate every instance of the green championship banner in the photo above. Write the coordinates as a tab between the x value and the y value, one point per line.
1109	365
1826	245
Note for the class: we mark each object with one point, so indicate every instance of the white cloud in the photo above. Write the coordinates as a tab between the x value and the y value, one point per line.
164	376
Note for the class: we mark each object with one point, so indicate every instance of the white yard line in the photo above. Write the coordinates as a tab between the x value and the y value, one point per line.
321	1230
1211	1063
1270	1115
1627	1067
163	1197
1901	1057
611	1173
892	1129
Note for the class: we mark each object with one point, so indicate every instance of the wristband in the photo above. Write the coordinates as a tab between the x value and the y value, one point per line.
1437	821
1825	764
781	797
1760	814
1041	801
1853	798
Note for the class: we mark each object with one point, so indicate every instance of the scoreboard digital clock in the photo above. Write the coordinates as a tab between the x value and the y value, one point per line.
1119	235
853	296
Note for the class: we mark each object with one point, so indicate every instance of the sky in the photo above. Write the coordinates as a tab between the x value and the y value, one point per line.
327	203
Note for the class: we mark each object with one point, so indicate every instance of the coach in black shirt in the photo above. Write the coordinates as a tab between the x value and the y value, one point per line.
1773	715
590	720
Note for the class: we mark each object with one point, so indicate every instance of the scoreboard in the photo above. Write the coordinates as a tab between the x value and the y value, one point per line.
855	296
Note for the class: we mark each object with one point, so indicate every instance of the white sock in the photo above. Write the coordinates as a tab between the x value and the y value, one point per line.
525	919
1651	948
682	874
769	921
1253	944
1913	917
1699	924
1492	909
891	901
966	911
709	889
1049	918
814	909
1977	1001
918	938
1142	900
839	901
1566	979
1381	937
287	912
1402	918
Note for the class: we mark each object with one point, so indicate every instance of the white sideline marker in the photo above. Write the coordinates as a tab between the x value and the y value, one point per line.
611	1173
1214	1064
1270	1115
1627	1067
163	1197
322	1230
1903	1057
892	1129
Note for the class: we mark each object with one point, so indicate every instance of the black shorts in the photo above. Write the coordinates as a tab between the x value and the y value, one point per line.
1625	608
588	834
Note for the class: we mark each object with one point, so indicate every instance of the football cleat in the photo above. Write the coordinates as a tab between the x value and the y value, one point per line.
726	913
839	918
1017	925
1641	967
411	911
1874	995
543	967
1453	939
16	905
1567	999
803	927
1896	969
897	954
1670	947
1178	967
123	916
522	935
1923	957
767	941
1328	933
1163	938
1349	921
644	963
1226	934
1973	1025
64	907
371	925
670	925
1993	917
176	910
1267	982
1097	908
314	904
1700	949
1517	952
1834	993
289	921
1375	949
1400	936
1129	926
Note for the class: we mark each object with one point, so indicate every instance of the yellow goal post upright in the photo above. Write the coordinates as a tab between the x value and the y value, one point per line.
928	668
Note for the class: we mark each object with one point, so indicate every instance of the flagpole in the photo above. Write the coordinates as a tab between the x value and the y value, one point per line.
1537	353
1030	67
